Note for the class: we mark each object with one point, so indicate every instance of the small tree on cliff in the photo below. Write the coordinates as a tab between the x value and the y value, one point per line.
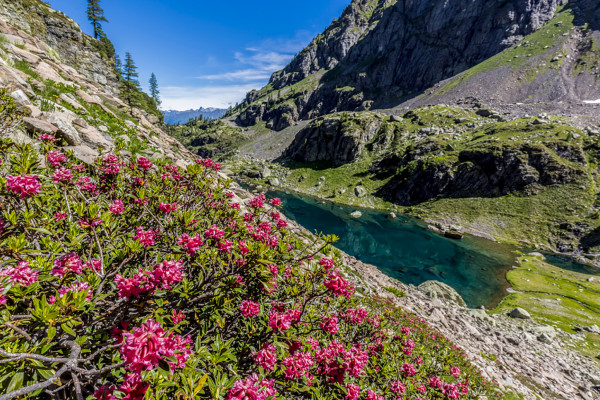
96	16
154	92
131	85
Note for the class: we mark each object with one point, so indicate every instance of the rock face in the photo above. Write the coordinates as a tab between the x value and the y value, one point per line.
383	51
490	171
339	139
70	47
65	84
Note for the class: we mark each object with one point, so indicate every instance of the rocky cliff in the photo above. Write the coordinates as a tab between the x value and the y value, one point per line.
65	84
384	53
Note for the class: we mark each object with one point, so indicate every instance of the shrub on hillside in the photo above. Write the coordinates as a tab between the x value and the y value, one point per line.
133	279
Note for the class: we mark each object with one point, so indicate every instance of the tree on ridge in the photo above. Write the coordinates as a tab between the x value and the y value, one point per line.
154	92
95	14
131	85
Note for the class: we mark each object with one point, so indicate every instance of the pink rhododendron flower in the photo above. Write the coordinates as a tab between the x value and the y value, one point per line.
110	165
104	392
85	184
214	233
25	186
59	216
167	273
55	158
249	308
266	357
450	391
225	246
252	388
22	274
62	175
133	387
116	207
147	238
455	372
371	395
281	321
330	324
134	286
298	365
435	382
67	263
408	369
191	244
352	391
177	317
338	285
47	138
167	207
94	265
144	164
258	201
398	388
275	201
355	360
146	345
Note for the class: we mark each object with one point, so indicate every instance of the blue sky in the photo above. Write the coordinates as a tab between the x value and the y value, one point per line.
208	53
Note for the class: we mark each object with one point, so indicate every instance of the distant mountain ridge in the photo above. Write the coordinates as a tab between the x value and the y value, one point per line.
174	117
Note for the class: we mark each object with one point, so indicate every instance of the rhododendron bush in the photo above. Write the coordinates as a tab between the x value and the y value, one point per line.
136	278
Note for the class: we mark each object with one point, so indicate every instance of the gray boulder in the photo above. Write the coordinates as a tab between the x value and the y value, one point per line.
65	130
34	125
440	290
265	172
519	313
356	214
360	191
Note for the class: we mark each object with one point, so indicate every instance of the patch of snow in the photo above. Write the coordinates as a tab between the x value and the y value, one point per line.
592	101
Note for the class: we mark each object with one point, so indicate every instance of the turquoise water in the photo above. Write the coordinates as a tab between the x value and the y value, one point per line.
403	249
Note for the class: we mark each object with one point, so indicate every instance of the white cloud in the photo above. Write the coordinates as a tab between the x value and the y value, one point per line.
222	96
263	59
250	69
240	75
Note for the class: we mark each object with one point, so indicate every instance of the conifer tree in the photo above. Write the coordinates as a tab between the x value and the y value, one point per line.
95	14
131	85
154	92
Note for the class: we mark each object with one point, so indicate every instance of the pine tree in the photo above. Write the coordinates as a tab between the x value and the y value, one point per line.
95	14
154	92
131	85
118	67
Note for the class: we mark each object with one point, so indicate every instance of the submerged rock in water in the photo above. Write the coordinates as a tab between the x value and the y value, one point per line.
453	234
356	214
435	289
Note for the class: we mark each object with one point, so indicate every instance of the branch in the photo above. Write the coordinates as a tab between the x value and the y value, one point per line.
69	363
24	356
19	330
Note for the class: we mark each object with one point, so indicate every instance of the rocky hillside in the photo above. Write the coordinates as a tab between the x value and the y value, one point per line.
66	85
383	53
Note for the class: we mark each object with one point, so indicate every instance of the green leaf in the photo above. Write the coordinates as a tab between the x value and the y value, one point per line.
51	333
67	328
16	382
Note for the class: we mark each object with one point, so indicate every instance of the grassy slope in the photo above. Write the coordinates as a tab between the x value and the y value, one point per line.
528	220
557	297
540	47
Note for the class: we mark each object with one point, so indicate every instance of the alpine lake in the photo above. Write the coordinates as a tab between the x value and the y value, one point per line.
404	249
